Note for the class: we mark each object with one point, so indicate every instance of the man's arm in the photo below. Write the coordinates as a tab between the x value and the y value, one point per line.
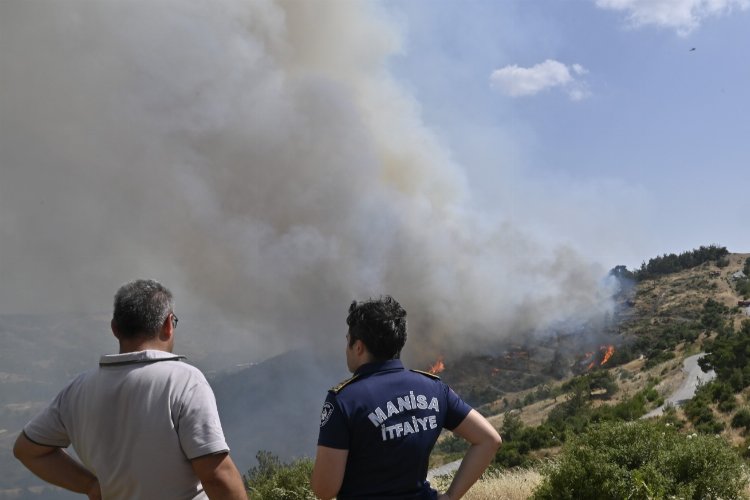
56	467
328	472
484	441
219	476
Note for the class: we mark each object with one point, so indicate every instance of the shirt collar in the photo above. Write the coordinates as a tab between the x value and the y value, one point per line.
147	356
379	366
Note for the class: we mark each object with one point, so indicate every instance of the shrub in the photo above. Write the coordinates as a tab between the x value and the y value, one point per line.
651	394
729	356
452	445
592	381
643	460
714	315
741	418
512	426
743	287
727	406
274	480
699	412
512	454
519	440
658	357
670	418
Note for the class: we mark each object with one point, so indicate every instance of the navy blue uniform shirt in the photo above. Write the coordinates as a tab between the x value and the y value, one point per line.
389	419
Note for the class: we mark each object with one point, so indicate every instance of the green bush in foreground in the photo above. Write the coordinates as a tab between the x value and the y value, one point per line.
273	480
643	460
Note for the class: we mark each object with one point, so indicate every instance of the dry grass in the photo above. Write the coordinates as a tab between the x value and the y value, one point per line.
516	484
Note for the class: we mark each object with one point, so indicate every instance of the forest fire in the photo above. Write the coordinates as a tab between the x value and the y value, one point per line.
438	367
597	358
592	363
517	354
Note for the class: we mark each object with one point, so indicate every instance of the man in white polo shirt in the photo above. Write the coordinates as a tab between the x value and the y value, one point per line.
143	423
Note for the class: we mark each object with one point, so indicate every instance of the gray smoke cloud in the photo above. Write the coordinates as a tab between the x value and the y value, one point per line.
258	158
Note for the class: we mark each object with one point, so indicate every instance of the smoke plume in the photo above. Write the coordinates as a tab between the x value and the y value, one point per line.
258	158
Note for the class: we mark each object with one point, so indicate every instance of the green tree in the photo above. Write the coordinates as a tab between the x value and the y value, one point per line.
741	418
729	356
621	272
643	460
512	426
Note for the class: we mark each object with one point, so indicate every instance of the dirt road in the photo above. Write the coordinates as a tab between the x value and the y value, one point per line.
694	376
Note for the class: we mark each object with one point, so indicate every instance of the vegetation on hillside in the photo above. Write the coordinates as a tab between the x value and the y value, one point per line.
729	355
643	460
273	479
571	417
672	263
656	340
742	285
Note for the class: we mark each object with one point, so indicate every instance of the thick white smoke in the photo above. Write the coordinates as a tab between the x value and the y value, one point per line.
257	157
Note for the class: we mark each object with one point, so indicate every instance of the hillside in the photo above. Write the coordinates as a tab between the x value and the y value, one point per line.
658	323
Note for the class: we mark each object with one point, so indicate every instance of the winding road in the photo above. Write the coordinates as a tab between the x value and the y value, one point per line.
686	391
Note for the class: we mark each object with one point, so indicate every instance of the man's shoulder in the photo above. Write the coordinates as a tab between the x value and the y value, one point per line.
425	374
78	380
344	383
180	367
368	383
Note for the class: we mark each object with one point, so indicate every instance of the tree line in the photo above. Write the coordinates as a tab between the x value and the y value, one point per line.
673	263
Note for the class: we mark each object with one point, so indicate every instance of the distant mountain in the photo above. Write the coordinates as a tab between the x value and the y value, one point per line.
275	405
38	354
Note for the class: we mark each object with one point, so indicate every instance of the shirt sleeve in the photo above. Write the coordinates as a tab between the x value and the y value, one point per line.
334	431
457	410
47	427
199	427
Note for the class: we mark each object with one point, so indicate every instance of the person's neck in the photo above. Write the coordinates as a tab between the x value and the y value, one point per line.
142	345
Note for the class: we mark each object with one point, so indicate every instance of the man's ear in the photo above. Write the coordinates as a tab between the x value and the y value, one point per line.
359	347
167	329
115	331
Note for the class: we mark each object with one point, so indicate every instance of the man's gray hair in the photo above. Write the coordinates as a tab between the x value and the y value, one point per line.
141	307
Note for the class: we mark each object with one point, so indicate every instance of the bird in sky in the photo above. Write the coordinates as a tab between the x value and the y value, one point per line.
692	49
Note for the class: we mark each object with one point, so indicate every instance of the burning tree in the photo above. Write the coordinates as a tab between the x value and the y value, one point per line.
438	366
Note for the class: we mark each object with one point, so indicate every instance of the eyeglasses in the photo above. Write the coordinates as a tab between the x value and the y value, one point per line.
175	319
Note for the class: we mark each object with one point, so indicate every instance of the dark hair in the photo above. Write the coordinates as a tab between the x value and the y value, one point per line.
141	307
380	324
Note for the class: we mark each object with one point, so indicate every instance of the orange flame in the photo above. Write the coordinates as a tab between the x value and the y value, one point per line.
437	367
591	360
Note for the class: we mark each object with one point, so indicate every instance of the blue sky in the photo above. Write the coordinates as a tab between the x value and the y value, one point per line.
647	135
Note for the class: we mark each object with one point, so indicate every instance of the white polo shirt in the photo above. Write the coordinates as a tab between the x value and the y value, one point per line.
135	422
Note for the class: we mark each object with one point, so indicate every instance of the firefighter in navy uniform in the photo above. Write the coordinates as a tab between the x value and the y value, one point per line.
377	428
